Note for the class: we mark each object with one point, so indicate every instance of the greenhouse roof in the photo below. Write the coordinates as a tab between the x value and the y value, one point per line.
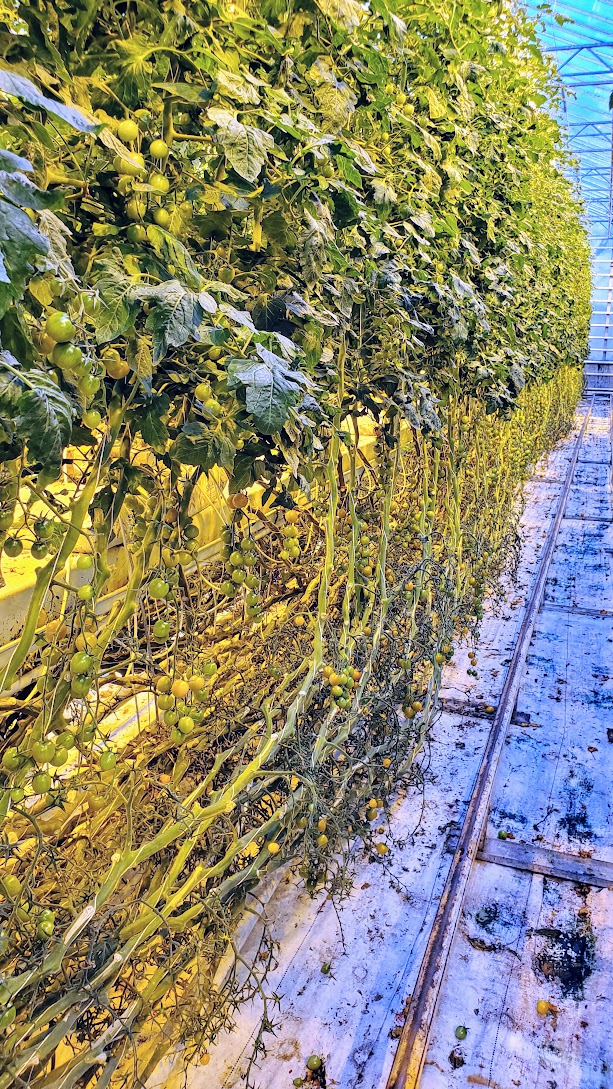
583	49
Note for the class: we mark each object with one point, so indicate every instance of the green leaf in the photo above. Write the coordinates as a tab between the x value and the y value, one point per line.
20	244
11	385
336	103
174	253
140	358
117	301
9	161
57	233
347	14
176	316
187	92
22	191
245	148
236	86
245	472
271	388
44	418
20	87
383	191
199	445
152	427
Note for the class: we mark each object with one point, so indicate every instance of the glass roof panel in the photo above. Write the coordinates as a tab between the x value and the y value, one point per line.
580	36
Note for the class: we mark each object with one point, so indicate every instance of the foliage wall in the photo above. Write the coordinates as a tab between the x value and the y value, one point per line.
312	256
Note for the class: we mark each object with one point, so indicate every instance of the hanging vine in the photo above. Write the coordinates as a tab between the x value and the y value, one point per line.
291	300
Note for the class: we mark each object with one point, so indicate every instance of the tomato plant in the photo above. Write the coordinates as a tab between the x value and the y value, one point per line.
293	300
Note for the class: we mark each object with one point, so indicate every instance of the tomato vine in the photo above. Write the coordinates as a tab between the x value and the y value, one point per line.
291	299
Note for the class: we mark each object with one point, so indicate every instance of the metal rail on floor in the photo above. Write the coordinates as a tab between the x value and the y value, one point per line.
413	1042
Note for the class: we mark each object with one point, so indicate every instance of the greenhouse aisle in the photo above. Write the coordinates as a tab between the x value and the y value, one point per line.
530	969
523	938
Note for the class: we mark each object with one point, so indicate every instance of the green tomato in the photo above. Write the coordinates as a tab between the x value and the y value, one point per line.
65	740
166	702
228	588
90	304
136	233
17	794
107	760
81	662
252	581
39	550
209	669
59	327
212	406
161	630
13	546
191	532
160	183
186	724
84	562
6	520
158	589
171	718
135	209
125	167
41	782
85	593
67	356
43	528
11	886
92	418
203	391
89	385
80	686
11	759
158	149
44	929
127	131
314	1062
43	751
161	216
124	184
59	757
